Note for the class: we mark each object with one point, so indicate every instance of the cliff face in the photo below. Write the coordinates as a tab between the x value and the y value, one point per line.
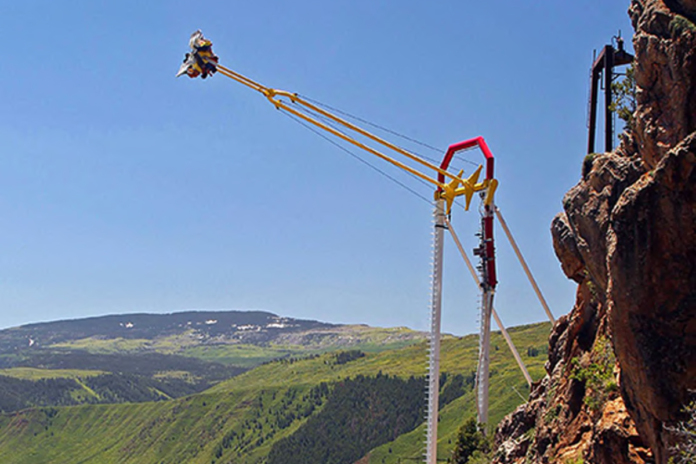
623	361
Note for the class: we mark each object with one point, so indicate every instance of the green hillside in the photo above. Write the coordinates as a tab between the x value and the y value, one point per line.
239	339
126	358
243	419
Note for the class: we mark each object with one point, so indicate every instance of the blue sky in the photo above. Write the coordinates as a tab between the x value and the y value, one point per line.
123	189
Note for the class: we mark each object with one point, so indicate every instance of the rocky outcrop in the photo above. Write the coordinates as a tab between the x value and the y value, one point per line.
566	248
665	75
622	363
652	291
576	412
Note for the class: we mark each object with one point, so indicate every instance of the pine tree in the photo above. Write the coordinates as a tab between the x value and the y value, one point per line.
470	440
624	97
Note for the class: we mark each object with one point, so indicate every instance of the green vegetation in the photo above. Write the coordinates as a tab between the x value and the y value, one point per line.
454	386
82	378
684	451
361	413
534	351
680	25
593	290
243	419
344	357
31	373
237	353
597	374
553	413
66	388
104	346
241	339
587	166
505	381
20	394
242	355
154	357
472	444
147	357
147	364
624	97
277	413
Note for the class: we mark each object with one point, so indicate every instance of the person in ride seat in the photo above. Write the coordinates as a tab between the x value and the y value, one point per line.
200	61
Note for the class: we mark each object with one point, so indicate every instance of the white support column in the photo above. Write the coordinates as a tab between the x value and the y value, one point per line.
482	374
434	351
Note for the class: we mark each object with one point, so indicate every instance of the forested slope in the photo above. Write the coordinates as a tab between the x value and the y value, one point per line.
266	412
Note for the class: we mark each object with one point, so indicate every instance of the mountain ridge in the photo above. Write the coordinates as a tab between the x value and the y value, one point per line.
138	325
121	358
180	332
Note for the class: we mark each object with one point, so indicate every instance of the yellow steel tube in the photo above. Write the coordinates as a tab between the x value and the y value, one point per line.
242	79
280	104
363	132
272	93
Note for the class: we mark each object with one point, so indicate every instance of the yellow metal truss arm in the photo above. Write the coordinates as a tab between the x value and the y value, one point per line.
202	62
274	96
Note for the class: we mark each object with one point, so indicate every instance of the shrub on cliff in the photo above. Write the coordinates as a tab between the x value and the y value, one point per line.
684	452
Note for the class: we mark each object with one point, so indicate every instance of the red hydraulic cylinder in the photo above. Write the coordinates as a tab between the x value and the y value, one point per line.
490	249
490	278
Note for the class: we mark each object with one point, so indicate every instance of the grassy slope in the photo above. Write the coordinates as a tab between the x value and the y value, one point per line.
81	393
506	381
365	338
31	373
192	429
458	355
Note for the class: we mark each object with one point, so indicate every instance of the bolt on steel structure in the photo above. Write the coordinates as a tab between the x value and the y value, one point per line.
448	186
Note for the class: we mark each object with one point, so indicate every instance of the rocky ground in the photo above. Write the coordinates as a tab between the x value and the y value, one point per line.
622	363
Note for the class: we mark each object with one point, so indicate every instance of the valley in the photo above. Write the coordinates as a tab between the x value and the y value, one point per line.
348	404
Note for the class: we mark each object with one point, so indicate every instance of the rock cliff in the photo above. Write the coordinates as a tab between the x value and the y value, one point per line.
622	363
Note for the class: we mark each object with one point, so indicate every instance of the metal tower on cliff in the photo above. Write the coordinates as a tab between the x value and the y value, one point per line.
603	66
